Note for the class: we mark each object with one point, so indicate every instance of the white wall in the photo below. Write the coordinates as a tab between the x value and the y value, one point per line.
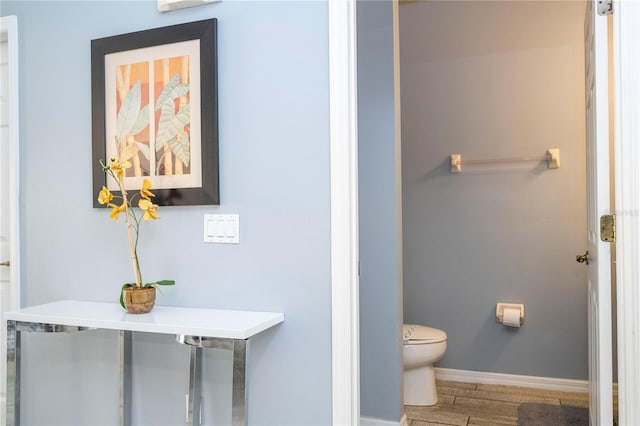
380	215
491	80
274	171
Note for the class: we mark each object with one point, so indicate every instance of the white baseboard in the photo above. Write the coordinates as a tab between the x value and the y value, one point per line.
549	383
372	421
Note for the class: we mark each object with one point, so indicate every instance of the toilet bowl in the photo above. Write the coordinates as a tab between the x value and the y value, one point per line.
421	347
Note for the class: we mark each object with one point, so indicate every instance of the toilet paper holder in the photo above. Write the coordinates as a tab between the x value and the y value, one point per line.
500	307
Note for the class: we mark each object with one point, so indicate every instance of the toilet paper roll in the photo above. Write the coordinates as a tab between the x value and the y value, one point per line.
511	317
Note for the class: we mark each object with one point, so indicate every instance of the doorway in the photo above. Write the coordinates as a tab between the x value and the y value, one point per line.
494	80
626	184
9	231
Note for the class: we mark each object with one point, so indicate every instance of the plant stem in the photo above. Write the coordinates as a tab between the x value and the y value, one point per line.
135	245
132	246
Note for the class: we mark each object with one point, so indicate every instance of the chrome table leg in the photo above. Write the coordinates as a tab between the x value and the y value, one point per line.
14	330
13	374
195	386
239	389
124	403
240	381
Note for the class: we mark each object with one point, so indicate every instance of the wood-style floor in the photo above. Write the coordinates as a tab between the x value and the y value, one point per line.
466	404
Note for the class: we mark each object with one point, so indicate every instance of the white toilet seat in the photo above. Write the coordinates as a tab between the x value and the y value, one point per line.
414	334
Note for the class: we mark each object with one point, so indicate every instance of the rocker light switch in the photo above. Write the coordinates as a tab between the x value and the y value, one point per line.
222	228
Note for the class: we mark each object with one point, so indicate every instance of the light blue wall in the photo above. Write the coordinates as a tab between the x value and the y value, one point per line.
491	80
380	216
274	172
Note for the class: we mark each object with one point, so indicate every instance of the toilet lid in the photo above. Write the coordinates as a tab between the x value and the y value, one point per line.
417	334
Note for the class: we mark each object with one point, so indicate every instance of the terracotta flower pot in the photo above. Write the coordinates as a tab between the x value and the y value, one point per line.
139	300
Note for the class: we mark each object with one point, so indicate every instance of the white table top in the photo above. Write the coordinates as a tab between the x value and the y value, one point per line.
162	319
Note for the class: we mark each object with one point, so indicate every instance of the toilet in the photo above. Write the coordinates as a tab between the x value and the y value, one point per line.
422	346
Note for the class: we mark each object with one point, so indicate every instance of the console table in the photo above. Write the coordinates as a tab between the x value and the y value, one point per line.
198	328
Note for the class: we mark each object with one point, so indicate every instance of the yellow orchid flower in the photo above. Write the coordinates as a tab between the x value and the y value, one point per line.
149	209
144	191
105	195
119	167
116	210
117	171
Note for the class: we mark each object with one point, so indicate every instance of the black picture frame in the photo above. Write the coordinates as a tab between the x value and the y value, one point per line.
208	191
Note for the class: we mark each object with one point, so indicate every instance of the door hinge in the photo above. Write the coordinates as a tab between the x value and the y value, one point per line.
605	7
608	228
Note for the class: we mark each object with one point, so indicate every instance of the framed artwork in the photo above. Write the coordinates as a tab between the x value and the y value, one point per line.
154	104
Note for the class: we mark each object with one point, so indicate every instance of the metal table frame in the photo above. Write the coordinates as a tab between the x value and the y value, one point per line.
238	347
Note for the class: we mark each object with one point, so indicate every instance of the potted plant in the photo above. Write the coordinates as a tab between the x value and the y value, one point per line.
136	298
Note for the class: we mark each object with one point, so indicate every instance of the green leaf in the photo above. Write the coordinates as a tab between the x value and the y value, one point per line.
128	112
164	133
183	116
171	91
170	124
159	283
127	285
142	121
144	149
180	147
165	94
180	90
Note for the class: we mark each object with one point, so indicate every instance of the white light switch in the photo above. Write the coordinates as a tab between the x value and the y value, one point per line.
222	228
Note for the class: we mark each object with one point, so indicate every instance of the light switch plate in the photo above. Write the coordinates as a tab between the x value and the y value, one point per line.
222	228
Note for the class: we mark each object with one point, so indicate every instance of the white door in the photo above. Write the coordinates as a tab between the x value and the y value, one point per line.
626	39
9	265
598	257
